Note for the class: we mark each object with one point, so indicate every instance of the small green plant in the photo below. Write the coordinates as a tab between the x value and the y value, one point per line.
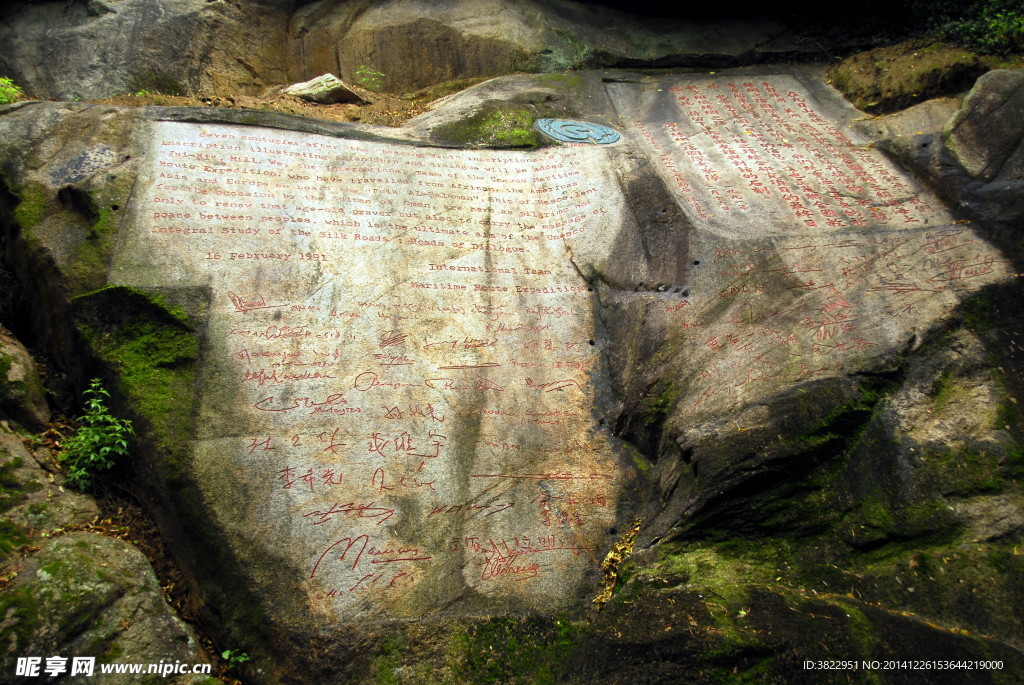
100	440
234	657
369	79
142	92
8	91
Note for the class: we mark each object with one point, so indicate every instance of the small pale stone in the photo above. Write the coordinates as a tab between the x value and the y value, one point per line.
327	89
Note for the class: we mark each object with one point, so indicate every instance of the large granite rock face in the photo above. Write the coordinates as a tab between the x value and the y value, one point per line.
102	48
390	390
400	358
417	43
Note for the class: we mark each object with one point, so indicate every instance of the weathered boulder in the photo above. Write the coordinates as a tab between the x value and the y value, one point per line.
76	594
926	118
88	595
101	49
35	497
973	155
415	43
986	135
891	78
327	89
21	391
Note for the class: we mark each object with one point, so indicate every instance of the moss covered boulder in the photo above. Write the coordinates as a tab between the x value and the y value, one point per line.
34	498
891	78
67	593
88	595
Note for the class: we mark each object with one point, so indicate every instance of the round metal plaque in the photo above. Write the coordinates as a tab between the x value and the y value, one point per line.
569	131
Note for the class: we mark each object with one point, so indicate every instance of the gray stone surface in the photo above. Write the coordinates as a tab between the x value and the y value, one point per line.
929	117
406	329
986	135
21	391
39	502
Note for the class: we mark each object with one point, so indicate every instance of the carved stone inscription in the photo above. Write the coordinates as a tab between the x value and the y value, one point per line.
750	156
397	404
397	407
813	254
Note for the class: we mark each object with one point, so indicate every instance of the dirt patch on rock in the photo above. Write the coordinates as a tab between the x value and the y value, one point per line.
384	109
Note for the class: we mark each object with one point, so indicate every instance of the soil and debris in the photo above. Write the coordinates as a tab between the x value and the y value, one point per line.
385	109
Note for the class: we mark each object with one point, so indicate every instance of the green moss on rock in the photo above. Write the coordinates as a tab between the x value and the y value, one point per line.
562	81
978	310
92	257
12	537
386	664
154	351
516	650
61	584
34	201
963	470
752	611
11	490
495	125
440	90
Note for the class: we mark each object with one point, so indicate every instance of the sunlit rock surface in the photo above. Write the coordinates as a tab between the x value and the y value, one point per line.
388	385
